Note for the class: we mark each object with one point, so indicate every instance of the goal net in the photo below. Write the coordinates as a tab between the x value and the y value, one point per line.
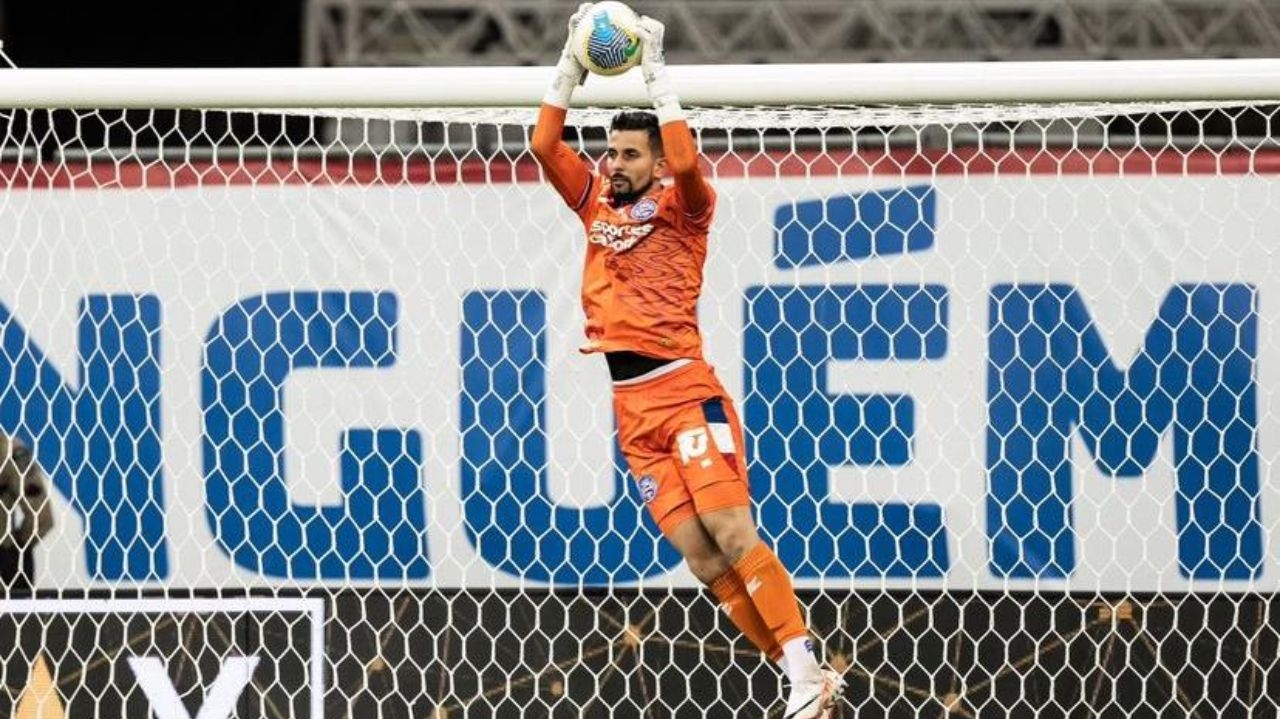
319	443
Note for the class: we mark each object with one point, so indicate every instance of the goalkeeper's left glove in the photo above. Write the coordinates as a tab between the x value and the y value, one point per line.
653	65
569	72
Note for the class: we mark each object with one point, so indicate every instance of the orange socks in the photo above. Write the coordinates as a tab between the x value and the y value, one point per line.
768	585
737	605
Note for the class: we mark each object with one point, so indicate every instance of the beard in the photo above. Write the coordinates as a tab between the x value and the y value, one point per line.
631	194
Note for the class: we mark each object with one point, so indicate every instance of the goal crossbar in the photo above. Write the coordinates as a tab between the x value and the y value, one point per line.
705	85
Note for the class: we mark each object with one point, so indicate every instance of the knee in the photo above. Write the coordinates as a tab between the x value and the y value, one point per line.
735	540
708	567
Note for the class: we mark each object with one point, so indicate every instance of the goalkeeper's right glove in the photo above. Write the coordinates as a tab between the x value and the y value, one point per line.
569	72
653	64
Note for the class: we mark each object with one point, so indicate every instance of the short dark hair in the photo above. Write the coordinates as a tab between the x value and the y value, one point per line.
643	121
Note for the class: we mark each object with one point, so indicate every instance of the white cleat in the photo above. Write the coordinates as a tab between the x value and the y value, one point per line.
814	699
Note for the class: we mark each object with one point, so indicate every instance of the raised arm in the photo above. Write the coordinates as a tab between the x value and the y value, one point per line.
677	139
564	169
682	158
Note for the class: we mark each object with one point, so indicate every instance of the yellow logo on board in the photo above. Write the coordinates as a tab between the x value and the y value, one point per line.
40	698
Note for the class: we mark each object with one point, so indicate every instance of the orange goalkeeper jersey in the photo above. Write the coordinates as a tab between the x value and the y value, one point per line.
643	270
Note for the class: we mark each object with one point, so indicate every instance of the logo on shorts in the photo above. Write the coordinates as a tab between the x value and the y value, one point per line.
644	209
693	443
648	488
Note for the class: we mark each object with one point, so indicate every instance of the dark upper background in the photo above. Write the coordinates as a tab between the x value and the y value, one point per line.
194	33
152	33
147	33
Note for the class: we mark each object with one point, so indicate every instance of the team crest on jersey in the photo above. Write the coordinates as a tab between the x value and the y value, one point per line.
644	209
648	488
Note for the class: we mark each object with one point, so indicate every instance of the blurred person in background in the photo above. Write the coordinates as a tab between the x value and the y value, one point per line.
25	515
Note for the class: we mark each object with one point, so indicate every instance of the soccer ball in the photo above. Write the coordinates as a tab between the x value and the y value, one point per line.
605	41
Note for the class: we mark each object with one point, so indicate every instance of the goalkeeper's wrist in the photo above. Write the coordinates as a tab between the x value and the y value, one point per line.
561	91
567	78
663	96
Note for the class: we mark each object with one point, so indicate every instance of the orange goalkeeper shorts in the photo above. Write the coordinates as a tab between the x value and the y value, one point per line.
682	441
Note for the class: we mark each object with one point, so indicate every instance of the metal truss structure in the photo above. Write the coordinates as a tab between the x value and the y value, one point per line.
516	32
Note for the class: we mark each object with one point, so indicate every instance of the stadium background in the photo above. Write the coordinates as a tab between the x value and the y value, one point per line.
927	643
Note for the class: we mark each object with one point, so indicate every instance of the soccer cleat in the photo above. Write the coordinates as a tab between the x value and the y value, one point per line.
813	699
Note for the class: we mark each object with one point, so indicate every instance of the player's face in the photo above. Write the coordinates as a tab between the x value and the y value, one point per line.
631	162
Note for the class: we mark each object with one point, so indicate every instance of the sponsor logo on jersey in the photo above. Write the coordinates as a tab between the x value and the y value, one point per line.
618	238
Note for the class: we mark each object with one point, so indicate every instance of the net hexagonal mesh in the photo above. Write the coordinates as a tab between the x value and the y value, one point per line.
319	443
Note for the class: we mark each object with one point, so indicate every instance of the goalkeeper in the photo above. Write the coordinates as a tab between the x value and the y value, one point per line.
646	244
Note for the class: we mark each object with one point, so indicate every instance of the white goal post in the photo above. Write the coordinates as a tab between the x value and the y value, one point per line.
1002	337
698	85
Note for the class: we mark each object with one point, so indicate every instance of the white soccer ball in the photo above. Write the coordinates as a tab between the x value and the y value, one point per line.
605	41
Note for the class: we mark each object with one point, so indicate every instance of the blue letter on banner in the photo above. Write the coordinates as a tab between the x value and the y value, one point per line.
798	430
380	529
1050	376
508	515
100	444
866	225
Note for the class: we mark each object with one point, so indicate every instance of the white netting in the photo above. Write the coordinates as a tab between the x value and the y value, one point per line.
828	116
1004	371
